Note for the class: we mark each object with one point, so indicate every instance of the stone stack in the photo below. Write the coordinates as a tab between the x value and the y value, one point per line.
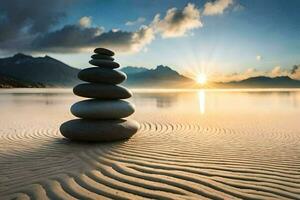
101	115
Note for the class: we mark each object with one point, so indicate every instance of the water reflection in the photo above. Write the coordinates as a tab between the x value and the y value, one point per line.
216	102
162	100
201	99
35	98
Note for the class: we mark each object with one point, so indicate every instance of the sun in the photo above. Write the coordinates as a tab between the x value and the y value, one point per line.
201	79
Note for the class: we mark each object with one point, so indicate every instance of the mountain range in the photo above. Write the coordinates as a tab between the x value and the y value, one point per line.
26	71
262	82
161	76
42	70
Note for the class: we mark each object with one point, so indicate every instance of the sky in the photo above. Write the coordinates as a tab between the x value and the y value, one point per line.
225	39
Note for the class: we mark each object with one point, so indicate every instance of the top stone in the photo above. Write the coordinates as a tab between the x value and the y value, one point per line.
104	51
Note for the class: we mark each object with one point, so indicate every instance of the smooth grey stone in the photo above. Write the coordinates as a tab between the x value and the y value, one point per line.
104	51
99	130
101	91
101	75
102	109
104	63
104	57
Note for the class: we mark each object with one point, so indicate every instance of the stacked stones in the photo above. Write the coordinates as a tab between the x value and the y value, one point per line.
101	115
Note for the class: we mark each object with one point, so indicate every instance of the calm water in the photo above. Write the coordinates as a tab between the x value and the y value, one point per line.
15	102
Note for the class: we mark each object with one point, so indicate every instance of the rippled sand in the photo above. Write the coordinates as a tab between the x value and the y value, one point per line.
191	145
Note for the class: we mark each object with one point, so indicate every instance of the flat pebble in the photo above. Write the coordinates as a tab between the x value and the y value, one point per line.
102	91
99	130
104	51
102	109
101	56
104	63
102	75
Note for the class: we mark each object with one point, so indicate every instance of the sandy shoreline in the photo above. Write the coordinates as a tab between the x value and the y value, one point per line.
175	155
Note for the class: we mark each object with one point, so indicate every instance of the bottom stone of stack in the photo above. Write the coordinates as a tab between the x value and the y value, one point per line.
99	130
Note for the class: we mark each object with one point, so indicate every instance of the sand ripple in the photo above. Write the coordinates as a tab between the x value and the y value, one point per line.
171	157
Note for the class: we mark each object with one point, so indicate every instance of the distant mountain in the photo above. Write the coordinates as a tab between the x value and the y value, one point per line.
9	82
262	82
133	70
45	70
161	76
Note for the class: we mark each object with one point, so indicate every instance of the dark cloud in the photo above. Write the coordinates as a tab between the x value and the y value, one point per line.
77	38
125	41
30	26
21	18
70	36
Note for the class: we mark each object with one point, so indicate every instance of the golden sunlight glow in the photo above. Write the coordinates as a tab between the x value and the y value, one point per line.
201	79
201	98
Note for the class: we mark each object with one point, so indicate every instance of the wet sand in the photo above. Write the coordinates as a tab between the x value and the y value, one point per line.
191	145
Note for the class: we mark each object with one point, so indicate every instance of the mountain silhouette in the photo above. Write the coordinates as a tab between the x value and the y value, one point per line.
133	70
264	82
45	70
161	76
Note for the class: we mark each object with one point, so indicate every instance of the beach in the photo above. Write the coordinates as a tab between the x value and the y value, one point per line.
192	144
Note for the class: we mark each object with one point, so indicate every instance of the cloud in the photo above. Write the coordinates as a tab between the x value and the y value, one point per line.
31	30
295	69
23	19
85	21
144	36
135	22
216	7
69	37
259	57
83	36
177	23
66	39
115	30
276	71
123	41
295	72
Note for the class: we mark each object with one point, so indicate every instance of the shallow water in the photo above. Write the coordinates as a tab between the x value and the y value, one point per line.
191	144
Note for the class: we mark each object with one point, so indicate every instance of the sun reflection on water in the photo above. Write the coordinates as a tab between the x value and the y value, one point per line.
201	99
